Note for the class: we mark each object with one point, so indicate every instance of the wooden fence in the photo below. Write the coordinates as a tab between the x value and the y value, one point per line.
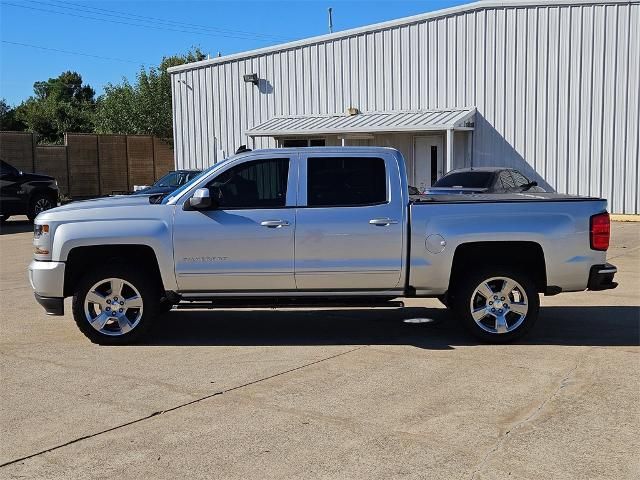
90	165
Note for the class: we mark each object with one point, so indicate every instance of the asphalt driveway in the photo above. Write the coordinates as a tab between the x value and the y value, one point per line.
343	393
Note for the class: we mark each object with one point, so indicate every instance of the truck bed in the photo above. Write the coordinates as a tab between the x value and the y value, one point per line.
558	223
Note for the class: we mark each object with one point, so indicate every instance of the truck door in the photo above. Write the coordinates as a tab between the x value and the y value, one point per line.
246	244
349	225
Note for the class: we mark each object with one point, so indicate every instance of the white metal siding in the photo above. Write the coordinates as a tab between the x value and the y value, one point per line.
556	87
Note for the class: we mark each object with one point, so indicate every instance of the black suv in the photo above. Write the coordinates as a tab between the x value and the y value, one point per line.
25	193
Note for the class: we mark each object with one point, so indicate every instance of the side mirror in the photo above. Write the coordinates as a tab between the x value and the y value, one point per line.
529	185
201	200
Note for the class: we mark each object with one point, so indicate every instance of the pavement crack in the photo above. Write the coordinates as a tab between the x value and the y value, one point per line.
180	406
529	418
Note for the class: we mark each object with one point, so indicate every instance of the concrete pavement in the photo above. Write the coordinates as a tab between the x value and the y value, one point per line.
344	393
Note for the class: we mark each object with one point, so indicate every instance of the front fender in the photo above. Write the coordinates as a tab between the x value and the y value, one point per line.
155	234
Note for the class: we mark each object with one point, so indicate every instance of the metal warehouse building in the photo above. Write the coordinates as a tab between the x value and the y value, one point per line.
551	88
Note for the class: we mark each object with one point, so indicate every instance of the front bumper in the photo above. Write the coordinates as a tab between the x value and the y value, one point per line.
47	278
601	277
51	305
47	281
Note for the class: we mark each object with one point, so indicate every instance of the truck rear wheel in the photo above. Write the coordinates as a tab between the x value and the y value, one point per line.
497	305
115	305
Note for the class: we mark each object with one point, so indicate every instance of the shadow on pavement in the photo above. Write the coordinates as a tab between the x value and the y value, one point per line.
15	226
590	326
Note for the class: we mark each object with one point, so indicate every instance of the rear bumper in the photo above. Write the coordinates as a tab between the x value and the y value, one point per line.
601	277
51	305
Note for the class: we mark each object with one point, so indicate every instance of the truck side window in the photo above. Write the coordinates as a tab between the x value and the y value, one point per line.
254	184
346	181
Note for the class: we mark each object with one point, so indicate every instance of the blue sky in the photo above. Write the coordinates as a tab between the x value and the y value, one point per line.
117	37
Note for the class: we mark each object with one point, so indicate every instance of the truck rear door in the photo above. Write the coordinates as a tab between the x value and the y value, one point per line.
349	222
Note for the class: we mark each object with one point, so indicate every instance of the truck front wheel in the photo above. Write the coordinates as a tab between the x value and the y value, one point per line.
497	305
115	305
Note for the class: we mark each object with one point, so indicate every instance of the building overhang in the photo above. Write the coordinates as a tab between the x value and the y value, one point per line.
370	122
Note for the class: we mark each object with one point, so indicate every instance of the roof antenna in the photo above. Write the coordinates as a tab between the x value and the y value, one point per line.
330	20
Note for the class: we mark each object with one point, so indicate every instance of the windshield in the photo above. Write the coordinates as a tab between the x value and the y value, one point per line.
5	168
465	180
178	192
171	179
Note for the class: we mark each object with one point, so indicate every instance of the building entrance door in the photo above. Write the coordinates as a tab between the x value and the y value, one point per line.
427	160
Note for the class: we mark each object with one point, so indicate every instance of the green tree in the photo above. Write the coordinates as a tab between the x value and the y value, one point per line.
59	105
145	106
8	121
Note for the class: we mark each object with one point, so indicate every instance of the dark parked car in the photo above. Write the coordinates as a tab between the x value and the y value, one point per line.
484	180
25	193
170	182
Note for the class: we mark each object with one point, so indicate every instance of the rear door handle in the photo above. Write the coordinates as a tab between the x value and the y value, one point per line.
382	222
274	223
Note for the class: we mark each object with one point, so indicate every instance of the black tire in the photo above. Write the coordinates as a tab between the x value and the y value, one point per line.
39	203
486	329
149	292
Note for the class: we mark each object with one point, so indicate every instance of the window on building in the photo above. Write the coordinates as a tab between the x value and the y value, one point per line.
434	164
346	181
255	184
303	142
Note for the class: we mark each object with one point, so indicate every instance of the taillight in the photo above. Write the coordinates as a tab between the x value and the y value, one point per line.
600	231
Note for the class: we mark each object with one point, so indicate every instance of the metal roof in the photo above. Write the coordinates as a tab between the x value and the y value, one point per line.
466	7
389	121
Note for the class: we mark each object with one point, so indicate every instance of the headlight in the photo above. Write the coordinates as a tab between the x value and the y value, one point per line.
41	240
39	230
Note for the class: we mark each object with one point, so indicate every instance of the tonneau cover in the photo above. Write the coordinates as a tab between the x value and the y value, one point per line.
498	197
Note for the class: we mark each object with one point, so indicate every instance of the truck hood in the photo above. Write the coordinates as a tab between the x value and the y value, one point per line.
106	202
98	208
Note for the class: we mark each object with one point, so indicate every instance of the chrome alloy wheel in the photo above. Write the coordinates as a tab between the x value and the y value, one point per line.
113	306
41	205
499	305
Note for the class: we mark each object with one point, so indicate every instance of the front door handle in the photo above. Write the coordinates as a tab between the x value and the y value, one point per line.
382	222
274	223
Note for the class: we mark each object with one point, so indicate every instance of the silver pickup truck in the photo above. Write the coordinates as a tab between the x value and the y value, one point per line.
315	226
